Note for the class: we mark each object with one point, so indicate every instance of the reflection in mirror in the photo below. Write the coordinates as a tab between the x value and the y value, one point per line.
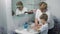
24	6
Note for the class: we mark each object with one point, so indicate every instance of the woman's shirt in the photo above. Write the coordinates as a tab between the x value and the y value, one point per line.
44	29
21	12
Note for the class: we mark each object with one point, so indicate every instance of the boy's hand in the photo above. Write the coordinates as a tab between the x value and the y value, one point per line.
39	24
36	27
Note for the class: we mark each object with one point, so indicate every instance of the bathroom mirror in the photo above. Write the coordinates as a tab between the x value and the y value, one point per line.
23	11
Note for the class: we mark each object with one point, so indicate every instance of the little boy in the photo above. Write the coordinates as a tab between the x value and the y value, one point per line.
42	27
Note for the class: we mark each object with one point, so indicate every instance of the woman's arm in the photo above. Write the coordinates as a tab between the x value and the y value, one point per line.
36	22
36	17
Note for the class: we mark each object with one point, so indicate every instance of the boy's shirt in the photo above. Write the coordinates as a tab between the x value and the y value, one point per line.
44	29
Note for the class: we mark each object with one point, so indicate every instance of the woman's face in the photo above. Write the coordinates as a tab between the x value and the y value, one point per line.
20	8
43	6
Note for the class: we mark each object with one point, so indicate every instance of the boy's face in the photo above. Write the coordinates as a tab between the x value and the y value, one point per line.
43	21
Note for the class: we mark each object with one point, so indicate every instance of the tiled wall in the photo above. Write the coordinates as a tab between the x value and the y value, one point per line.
30	4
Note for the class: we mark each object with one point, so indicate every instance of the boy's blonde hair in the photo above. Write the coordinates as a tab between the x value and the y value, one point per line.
44	16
